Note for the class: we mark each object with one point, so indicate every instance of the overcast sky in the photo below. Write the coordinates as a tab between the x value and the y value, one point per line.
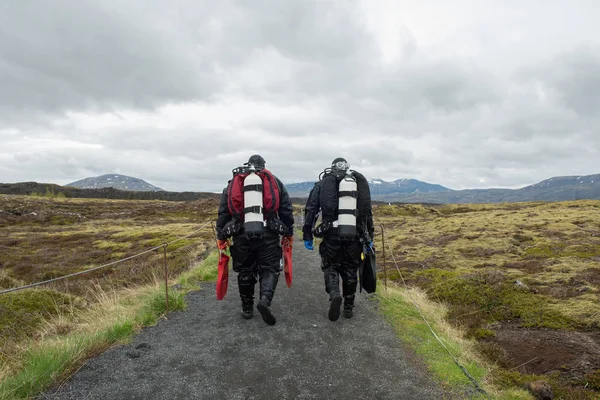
466	94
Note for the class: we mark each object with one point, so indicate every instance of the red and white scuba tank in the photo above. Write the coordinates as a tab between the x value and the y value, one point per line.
347	195
253	205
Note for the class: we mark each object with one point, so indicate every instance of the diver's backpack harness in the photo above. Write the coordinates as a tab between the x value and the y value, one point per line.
253	199
338	200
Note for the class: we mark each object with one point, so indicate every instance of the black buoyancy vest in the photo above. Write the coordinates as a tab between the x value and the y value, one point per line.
328	196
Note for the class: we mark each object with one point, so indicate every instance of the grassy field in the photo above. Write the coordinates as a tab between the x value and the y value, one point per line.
513	288
43	238
521	281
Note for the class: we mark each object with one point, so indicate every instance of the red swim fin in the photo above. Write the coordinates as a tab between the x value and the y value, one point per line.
287	260
223	276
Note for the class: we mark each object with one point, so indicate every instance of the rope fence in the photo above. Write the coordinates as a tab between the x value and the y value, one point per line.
166	244
87	271
462	367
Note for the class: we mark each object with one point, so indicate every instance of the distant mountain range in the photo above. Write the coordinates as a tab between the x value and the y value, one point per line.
402	190
120	182
379	188
50	189
413	191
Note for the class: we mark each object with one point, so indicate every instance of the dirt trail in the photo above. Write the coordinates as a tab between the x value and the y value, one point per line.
209	352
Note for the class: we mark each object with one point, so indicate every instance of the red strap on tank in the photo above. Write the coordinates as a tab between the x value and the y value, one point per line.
235	194
270	192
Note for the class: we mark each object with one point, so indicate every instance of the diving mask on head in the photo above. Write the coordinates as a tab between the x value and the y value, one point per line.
340	165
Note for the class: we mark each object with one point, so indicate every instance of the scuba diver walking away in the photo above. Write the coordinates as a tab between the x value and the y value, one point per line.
255	211
343	198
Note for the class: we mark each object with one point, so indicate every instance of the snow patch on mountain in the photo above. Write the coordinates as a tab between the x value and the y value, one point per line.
120	182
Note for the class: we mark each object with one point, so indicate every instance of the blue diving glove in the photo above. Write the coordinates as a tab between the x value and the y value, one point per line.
308	244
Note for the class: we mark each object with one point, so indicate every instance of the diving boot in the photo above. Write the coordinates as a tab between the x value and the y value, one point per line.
334	306
349	290
265	311
246	285
247	308
347	313
268	283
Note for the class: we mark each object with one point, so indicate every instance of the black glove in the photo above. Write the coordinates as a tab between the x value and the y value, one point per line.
230	229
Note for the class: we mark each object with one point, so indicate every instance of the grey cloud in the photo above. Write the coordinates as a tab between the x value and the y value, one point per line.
445	85
63	55
331	53
380	151
574	76
299	82
310	31
109	55
525	121
510	163
518	131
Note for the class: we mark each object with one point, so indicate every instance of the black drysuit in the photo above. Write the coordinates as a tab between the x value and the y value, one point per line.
340	258
257	256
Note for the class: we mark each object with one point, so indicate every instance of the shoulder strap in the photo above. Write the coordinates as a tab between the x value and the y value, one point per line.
270	193
235	196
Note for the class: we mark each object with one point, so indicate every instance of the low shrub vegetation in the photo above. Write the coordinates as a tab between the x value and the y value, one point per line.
47	332
509	276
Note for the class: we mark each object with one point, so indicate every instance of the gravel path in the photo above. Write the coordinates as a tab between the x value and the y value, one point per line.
209	352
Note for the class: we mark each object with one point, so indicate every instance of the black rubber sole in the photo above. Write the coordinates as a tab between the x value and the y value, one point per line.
265	312
334	308
249	315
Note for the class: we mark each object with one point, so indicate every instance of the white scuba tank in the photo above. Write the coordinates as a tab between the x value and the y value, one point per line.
347	195
253	205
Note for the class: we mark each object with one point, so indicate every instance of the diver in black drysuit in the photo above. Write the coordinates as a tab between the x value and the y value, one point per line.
254	257
340	257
